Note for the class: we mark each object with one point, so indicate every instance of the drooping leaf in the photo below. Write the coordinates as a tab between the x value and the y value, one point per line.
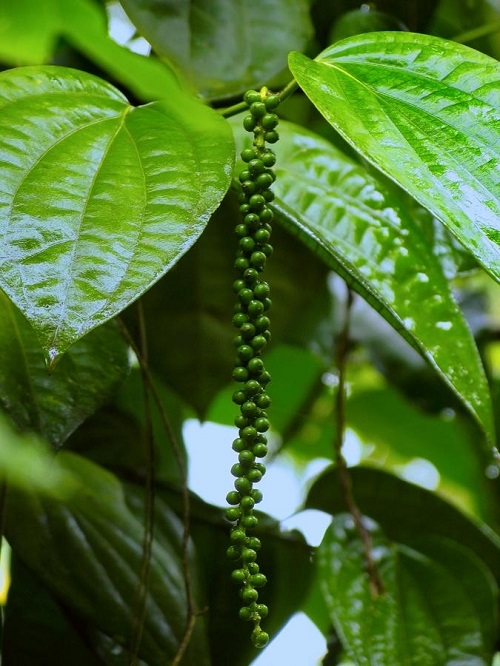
366	233
201	307
98	199
425	616
87	551
221	44
425	111
406	511
54	403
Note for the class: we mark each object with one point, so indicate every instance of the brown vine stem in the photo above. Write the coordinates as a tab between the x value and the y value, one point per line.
192	614
149	502
376	584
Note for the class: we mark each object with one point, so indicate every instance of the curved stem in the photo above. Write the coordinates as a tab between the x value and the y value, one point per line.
376	584
284	94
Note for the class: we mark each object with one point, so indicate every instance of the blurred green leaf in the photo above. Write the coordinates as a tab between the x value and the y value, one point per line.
54	403
220	44
406	511
98	199
29	33
425	615
88	553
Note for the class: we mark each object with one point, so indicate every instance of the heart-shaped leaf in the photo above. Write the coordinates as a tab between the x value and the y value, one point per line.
425	111
425	614
365	230
222	44
54	403
98	199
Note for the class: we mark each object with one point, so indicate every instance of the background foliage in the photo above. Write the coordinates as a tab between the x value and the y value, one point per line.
118	198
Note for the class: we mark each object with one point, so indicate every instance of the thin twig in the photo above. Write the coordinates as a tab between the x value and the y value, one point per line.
149	502
192	614
376	584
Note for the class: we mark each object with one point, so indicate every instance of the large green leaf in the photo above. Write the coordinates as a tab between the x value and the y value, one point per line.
405	511
425	111
225	46
425	616
365	231
55	403
88	552
201	306
98	199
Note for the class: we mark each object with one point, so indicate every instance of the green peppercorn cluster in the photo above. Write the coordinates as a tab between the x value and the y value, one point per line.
252	321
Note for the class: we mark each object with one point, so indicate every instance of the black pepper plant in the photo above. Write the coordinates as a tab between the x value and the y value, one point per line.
126	182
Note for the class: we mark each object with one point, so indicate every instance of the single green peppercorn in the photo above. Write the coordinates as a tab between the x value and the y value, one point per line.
249	187
249	595
237	535
241	421
257	580
253	567
249	123
248	555
269	121
255	308
247	503
266	215
233	513
245	352
239	397
258	259
239	576
239	445
241	264
238	285
246	614
247	244
263	401
260	638
256	495
246	458
240	374
272	102
256	167
233	497
258	342
248	154
249	408
253	543
259	450
262	610
250	521
252	387
261	424
272	136
233	552
254	475
244	176
258	109
255	366
252	96
237	470
249	433
244	486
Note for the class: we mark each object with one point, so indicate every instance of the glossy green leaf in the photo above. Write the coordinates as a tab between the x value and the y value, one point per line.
425	111
366	233
88	553
406	511
201	307
220	44
97	199
54	403
425	616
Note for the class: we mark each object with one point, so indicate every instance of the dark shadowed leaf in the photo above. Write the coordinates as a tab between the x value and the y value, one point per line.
88	553
97	199
221	44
